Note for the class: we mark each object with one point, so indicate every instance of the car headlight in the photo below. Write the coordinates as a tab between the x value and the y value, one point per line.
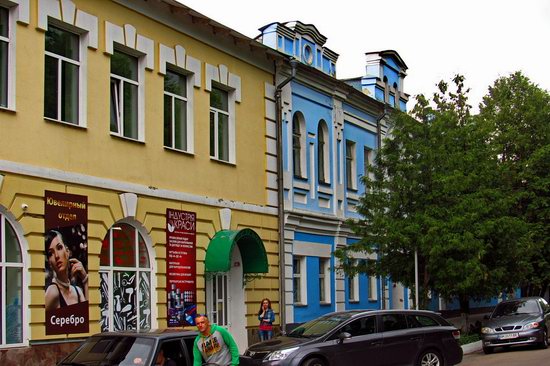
531	325
487	330
280	355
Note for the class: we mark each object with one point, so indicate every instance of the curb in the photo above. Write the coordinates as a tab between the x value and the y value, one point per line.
471	347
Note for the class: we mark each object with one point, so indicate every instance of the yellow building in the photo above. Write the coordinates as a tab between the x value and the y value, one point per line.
137	108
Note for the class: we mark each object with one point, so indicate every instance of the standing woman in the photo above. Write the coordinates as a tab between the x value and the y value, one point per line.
62	291
266	316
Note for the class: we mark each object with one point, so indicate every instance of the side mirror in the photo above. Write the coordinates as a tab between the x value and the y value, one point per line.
342	336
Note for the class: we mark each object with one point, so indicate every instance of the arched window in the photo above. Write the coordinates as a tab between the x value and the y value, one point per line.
11	285
298	135
125	280
322	153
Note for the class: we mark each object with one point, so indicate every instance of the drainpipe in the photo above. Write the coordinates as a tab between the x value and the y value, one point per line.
378	149
280	190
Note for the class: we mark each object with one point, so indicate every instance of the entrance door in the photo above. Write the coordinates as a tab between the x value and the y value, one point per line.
237	308
225	301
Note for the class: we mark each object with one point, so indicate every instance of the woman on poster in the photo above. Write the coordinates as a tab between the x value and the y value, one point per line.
62	291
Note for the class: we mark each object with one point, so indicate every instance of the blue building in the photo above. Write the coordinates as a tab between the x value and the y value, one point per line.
330	131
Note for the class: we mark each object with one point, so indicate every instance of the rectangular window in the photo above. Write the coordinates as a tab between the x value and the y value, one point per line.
61	75
175	111
324	280
298	273
124	95
372	288
367	161
4	50
219	124
353	288
351	182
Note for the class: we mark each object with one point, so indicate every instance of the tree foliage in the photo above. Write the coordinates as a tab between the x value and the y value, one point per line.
441	186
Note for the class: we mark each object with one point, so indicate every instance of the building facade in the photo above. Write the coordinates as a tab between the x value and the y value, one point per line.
123	117
331	130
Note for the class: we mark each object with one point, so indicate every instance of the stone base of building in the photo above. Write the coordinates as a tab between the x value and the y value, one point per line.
37	355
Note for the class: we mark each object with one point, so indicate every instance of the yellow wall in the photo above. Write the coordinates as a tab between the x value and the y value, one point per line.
27	138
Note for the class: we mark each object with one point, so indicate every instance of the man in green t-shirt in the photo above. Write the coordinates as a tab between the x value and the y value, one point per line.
214	344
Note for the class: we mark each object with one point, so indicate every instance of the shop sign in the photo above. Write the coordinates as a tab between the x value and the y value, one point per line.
181	276
66	265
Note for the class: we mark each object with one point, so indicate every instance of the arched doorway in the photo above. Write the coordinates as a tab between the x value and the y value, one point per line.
230	256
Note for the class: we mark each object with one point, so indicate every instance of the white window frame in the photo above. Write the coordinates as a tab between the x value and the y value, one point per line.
351	165
138	270
220	301
216	112
324	280
322	128
298	118
188	114
302	279
120	100
82	85
373	288
3	265
368	155
353	286
11	59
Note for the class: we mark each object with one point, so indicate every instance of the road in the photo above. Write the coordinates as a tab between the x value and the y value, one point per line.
517	356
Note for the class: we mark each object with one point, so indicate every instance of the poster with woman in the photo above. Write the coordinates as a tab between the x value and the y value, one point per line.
66	264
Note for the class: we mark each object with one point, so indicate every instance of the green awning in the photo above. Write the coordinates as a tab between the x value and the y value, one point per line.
251	247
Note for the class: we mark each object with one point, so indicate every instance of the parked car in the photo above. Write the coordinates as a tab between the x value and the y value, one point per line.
383	337
517	322
134	348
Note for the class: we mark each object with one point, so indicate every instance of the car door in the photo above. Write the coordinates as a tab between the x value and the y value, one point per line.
173	350
400	344
364	343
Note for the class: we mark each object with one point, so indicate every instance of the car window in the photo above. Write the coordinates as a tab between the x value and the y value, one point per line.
516	307
173	350
394	322
113	351
419	321
361	326
189	343
544	305
319	327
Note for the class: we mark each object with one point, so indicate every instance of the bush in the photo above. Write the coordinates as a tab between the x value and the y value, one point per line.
468	338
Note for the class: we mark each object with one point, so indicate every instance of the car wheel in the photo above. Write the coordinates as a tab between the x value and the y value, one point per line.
544	343
488	350
314	362
430	358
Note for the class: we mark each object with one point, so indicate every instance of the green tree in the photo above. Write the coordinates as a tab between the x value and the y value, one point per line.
518	113
434	190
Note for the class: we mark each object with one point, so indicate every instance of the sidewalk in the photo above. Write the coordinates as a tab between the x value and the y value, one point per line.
472	319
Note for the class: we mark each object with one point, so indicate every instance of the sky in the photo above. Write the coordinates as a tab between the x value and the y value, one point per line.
480	39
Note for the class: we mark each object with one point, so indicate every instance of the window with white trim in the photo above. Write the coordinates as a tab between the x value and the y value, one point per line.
324	280
218	299
4	55
62	75
372	288
125	280
299	280
219	124
367	161
175	110
322	153
124	95
298	145
353	286
351	175
11	285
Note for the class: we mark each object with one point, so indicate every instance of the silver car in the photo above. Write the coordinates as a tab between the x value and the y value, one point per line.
517	322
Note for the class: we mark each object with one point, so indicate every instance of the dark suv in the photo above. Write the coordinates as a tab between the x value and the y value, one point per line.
134	348
383	337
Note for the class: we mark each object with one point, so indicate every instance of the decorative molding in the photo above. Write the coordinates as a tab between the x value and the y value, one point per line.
66	11
1	181
105	183
220	74
129	37
22	11
225	218
128	201
178	56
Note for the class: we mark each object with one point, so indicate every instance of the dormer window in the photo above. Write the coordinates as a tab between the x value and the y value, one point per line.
308	54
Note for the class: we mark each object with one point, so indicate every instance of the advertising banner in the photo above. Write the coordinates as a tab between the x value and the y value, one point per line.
66	266
181	275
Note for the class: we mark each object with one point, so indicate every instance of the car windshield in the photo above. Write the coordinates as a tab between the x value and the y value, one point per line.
516	307
123	351
320	326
